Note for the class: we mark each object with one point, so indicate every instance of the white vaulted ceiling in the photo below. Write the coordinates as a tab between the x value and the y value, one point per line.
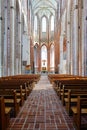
44	7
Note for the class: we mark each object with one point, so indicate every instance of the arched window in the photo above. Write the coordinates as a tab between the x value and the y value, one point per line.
35	25
44	52
44	24
44	56
52	23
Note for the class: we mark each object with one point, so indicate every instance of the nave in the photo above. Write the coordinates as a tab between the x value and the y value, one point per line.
42	110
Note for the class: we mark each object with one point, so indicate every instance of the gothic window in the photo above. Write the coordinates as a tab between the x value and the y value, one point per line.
52	23
44	24
44	52
44	56
35	24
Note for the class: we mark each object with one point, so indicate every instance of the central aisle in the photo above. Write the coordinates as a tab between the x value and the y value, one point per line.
42	110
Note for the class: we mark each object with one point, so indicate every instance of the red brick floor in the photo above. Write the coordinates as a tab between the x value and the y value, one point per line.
42	111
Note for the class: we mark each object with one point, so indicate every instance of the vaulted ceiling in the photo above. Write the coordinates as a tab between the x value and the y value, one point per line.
44	7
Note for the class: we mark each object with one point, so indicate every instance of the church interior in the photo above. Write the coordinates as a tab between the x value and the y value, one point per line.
43	64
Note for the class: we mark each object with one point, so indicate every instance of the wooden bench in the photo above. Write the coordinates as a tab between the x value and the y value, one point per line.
56	77
70	82
65	89
22	83
4	114
63	78
79	111
10	100
58	80
21	93
71	99
29	80
31	77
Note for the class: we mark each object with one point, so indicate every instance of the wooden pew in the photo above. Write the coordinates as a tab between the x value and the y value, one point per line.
29	77
10	100
79	111
4	114
70	82
11	84
56	77
29	80
71	99
61	79
62	85
66	88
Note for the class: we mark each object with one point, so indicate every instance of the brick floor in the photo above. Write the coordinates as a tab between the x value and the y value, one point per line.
42	111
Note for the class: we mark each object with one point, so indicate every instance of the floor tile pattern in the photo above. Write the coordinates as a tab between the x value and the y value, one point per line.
42	110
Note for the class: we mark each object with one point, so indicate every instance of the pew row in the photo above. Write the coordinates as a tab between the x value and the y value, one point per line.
10	85
4	114
79	111
65	89
68	88
11	100
71	99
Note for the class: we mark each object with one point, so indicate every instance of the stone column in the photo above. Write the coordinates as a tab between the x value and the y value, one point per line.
75	41
39	48
12	27
68	39
68	58
80	35
5	72
39	32
48	59
0	40
39	58
61	55
71	37
28	49
83	31
85	38
56	43
19	45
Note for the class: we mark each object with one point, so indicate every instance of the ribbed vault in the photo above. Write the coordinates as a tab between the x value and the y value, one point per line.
44	7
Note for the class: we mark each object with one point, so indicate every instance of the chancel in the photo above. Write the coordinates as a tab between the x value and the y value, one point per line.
43	64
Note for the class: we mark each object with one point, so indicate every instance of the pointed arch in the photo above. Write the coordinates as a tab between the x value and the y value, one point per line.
44	58
44	24
52	23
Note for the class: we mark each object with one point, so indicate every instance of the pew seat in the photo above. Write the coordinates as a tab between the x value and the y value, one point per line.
79	111
71	99
11	100
4	114
73	87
